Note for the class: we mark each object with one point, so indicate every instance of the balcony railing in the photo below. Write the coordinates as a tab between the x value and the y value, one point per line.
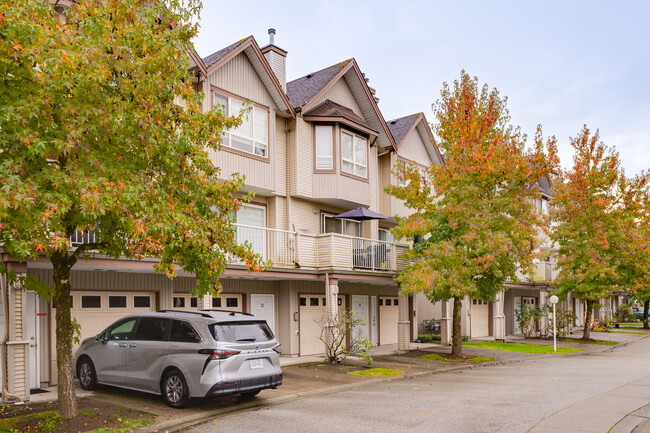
543	272
85	237
324	251
278	246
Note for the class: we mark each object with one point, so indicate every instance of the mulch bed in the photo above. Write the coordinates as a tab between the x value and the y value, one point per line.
92	415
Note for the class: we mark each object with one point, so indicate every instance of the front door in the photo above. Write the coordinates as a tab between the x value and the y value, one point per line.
262	307
360	308
32	337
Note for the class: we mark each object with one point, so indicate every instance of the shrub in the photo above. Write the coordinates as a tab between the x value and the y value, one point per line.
528	317
333	332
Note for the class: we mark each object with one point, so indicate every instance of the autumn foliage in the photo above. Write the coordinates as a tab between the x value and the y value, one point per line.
474	213
599	215
102	130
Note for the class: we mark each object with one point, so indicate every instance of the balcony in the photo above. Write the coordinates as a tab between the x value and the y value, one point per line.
85	237
329	251
545	272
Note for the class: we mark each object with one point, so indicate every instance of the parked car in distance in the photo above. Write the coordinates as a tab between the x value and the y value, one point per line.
182	355
638	312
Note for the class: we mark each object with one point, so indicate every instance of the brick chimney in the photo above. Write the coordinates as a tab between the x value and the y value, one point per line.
277	58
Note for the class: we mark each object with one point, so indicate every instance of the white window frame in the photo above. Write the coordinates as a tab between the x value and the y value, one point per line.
328	146
259	145
356	165
388	237
344	222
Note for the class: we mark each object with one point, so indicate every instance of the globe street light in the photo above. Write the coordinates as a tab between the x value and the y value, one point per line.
553	301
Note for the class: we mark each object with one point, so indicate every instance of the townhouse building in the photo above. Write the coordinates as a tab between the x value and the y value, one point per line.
310	149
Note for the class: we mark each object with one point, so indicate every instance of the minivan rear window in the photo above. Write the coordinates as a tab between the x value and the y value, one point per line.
241	332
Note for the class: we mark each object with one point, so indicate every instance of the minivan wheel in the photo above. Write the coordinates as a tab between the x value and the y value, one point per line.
174	389
249	394
86	374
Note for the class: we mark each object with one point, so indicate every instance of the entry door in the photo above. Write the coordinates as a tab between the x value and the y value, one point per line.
388	318
262	307
360	308
373	321
32	337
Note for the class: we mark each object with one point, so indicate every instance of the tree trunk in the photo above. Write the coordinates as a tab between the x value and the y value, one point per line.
588	313
64	333
456	336
646	305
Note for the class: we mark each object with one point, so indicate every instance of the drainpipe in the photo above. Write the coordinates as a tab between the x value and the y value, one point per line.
6	396
287	171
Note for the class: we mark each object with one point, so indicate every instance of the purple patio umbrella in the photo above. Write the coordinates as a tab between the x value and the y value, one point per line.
361	214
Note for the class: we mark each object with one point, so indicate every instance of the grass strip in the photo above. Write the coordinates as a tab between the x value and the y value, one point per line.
519	347
597	342
436	357
628	332
377	372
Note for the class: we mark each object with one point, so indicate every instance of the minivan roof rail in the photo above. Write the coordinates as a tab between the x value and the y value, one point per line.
185	311
232	313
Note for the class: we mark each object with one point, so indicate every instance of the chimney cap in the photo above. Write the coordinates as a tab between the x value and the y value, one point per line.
271	31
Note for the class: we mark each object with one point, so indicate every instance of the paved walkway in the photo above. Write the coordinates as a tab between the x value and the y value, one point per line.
626	408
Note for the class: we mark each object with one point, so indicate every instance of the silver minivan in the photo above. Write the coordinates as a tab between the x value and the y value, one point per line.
183	354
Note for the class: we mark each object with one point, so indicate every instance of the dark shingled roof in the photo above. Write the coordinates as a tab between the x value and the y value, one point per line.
545	185
214	57
332	109
399	127
302	90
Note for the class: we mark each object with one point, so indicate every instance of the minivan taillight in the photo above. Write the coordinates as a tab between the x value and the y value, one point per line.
218	354
278	348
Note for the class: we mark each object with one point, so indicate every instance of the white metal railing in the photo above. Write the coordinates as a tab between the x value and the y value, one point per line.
373	254
277	246
85	237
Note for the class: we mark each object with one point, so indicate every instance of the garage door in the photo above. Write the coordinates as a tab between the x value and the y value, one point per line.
312	310
94	311
388	317
479	319
228	302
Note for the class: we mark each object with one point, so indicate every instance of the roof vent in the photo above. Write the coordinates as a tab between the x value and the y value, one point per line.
310	74
272	36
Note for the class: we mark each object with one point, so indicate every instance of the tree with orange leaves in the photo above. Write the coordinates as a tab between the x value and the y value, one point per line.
596	210
94	139
474	213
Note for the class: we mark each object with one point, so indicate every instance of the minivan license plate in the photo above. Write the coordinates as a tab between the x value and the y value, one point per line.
256	363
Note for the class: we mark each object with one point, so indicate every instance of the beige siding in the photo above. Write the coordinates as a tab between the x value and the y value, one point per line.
366	289
304	158
341	94
117	281
335	186
413	148
303	217
384	181
239	77
280	155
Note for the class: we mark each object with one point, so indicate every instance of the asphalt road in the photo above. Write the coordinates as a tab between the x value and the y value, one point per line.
506	398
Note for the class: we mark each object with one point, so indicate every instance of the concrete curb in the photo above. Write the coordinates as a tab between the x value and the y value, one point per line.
177	424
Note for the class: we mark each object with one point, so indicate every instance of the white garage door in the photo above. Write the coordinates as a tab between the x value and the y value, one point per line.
388	317
94	311
479	318
231	302
312	310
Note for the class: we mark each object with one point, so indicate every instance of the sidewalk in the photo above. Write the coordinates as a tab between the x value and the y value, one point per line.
308	375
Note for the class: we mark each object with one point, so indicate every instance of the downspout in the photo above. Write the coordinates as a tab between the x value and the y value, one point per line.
287	171
6	396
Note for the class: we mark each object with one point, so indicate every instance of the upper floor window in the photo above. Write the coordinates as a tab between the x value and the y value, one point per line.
354	154
252	136
542	205
324	147
386	236
341	226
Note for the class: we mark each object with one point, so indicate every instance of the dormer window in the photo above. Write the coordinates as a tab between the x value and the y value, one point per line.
252	136
354	154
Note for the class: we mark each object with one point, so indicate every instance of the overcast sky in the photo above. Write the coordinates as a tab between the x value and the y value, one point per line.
561	64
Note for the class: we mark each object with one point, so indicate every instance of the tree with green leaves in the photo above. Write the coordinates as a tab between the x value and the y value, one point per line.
595	207
102	130
475	213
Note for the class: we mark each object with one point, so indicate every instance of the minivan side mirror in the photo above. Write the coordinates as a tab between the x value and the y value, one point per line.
100	337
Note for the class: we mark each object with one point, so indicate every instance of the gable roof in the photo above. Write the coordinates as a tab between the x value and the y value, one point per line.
305	91
402	127
252	50
330	110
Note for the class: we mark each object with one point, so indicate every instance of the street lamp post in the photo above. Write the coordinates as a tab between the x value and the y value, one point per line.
553	301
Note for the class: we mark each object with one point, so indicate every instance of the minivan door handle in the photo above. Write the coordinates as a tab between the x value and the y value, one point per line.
133	345
122	344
